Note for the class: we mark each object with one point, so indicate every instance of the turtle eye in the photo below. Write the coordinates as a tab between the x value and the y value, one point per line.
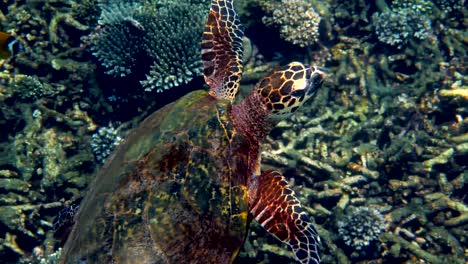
315	83
298	93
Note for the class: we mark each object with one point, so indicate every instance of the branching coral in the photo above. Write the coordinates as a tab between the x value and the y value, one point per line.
399	155
297	20
104	141
117	44
30	87
160	38
397	26
39	159
413	19
52	258
46	39
450	5
421	6
364	148
173	41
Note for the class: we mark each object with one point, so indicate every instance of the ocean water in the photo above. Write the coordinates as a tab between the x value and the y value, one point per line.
112	150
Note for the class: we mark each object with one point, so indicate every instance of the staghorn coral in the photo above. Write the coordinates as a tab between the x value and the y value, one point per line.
41	154
160	38
48	33
297	20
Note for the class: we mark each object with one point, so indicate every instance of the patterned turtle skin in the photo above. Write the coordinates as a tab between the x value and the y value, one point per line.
186	183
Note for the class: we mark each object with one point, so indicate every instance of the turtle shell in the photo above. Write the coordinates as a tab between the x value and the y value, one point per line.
174	191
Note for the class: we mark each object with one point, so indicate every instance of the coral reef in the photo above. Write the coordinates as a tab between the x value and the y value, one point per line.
388	170
160	39
297	20
397	27
44	122
52	258
30	87
361	226
35	180
388	130
117	42
104	141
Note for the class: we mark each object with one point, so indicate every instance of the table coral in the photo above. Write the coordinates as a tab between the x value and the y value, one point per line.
161	40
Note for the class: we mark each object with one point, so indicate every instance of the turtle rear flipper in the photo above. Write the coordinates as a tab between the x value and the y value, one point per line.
277	209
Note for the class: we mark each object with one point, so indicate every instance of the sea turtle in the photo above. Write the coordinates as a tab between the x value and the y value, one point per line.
186	183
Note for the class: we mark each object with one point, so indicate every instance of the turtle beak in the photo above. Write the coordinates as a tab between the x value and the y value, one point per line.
322	72
316	79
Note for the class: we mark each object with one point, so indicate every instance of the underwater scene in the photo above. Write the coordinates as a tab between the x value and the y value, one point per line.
233	131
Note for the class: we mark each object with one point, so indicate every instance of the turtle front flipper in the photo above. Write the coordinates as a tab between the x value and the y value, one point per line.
222	50
275	207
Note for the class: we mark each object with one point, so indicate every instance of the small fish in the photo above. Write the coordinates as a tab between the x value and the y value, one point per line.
135	25
9	45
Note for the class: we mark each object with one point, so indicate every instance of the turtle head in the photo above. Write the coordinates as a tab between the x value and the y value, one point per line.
287	88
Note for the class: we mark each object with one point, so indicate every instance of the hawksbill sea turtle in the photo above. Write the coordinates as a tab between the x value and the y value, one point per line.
186	183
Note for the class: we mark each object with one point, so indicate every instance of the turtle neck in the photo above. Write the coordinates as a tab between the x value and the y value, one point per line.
250	117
